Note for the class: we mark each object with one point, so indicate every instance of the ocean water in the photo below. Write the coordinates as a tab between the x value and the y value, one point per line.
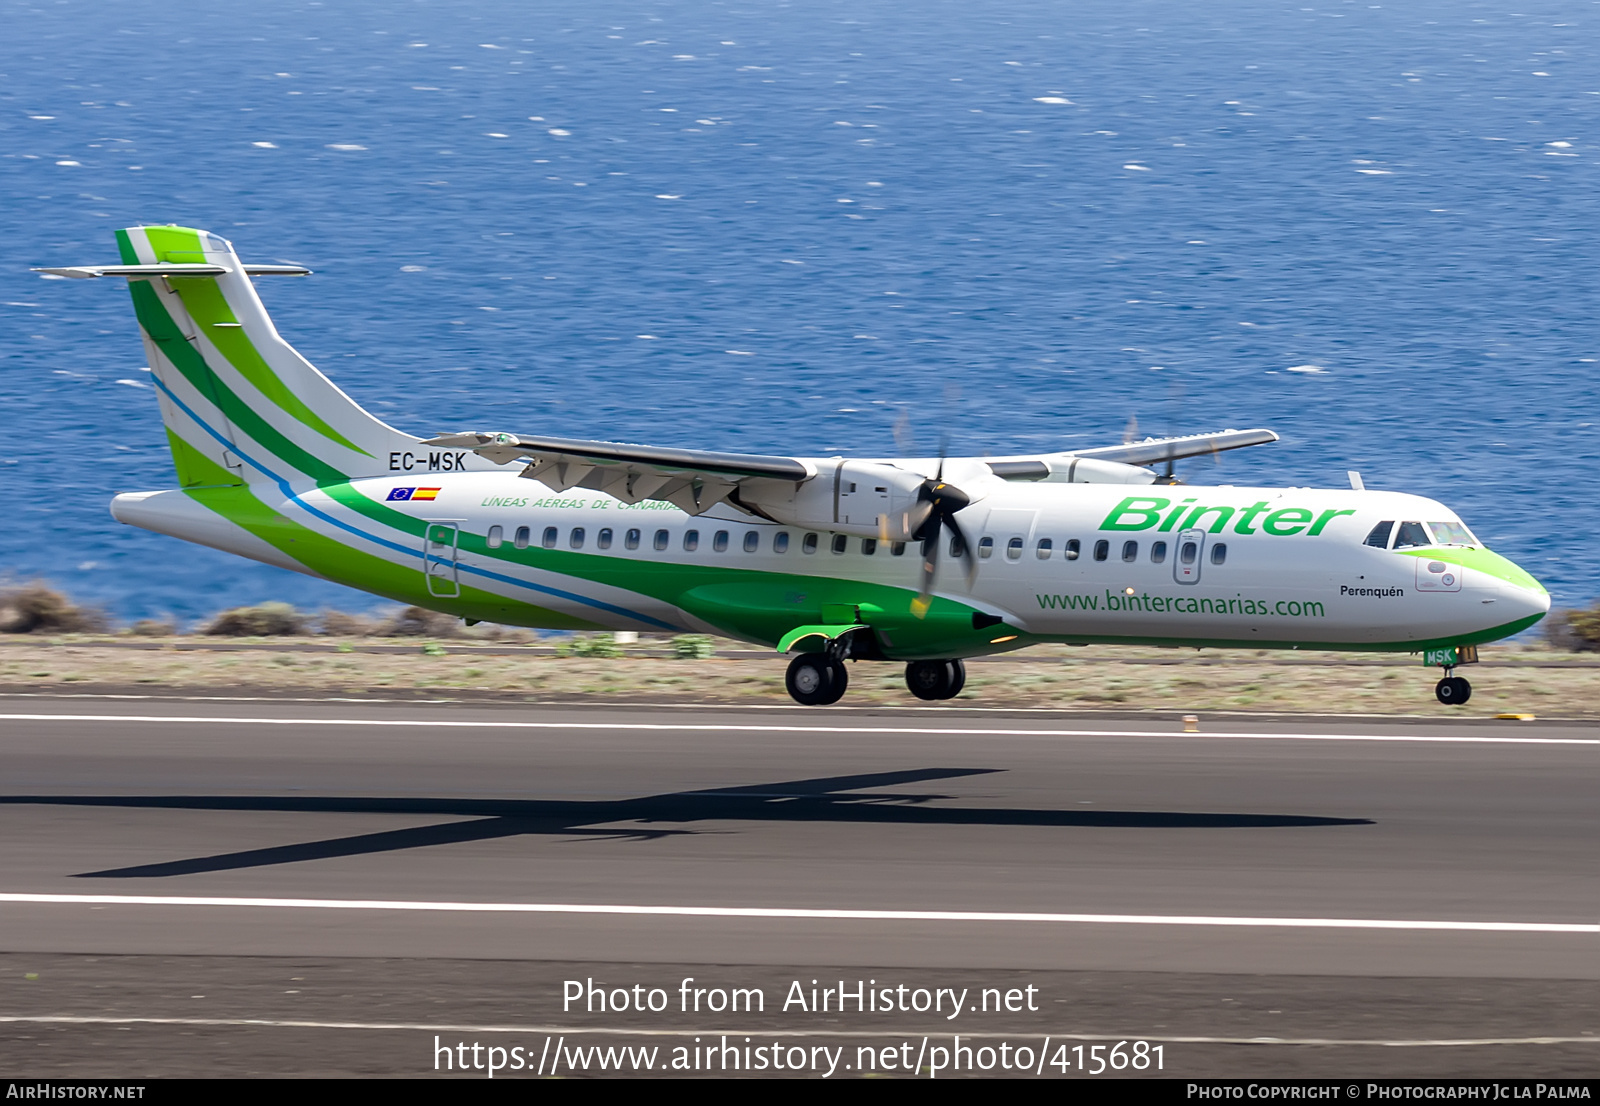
785	227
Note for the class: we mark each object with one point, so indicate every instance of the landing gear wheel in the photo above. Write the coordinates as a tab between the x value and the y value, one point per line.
816	679
936	679
1453	691
959	673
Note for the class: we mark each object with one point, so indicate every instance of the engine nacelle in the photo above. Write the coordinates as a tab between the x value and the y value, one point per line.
853	497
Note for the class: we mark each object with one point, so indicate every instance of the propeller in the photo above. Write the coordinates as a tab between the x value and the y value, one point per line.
944	501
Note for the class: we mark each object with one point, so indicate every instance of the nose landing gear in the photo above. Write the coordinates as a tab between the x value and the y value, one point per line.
1452	691
936	679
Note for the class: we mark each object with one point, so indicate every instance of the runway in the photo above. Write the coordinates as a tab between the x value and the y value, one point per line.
1395	882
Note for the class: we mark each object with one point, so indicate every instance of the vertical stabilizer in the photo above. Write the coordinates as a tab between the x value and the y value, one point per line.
240	404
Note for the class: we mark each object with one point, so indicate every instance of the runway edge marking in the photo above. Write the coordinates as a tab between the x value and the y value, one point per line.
930	731
799	913
553	1030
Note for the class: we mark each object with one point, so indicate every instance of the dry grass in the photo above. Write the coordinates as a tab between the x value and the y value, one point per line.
1098	678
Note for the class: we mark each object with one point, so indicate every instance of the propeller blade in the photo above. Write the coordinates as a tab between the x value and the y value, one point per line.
930	568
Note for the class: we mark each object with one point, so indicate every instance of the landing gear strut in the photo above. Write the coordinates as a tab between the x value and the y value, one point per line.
1453	690
936	679
816	679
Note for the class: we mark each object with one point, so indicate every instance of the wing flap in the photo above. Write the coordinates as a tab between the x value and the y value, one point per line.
1157	450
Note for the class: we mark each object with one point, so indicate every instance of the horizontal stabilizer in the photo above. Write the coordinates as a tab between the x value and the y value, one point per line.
85	272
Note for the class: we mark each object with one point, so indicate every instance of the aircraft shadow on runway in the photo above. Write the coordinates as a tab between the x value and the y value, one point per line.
829	799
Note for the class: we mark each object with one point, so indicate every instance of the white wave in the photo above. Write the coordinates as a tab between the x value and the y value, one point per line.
495	134
344	146
265	145
413	268
1138	168
1310	369
133	383
667	196
739	352
1051	100
1375	172
559	133
69	162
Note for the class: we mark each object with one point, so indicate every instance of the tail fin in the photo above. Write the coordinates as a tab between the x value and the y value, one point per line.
240	404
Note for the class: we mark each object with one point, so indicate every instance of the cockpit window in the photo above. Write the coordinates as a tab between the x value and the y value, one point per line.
1451	533
1411	535
1379	538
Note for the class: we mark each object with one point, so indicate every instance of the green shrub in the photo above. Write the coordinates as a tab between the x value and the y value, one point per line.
692	647
267	620
589	645
1576	631
37	609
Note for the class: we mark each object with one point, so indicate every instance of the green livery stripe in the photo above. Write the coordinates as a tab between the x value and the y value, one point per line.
208	306
336	561
171	341
195	469
1479	560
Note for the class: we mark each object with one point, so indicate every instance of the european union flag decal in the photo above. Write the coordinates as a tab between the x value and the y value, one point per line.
400	493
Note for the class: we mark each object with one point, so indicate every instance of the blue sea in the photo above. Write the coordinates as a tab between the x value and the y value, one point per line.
788	227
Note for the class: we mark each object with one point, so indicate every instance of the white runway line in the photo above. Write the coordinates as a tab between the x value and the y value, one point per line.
682	727
575	1031
801	913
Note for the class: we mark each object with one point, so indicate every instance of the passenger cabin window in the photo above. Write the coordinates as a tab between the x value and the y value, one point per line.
957	549
897	549
1452	533
1130	551
1014	549
497	536
1379	538
524	537
809	545
549	537
631	539
661	540
1072	548
869	546
780	542
839	542
719	541
1411	535
1188	552
691	540
1158	552
1102	550
602	540
752	541
1042	549
1219	552
576	541
985	548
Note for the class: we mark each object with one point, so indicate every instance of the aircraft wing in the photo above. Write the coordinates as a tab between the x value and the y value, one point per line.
691	479
1156	450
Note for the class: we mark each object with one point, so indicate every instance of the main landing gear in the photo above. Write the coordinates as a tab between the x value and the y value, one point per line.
1453	690
818	679
936	679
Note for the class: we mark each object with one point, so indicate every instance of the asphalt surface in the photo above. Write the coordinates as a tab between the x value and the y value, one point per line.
1369	895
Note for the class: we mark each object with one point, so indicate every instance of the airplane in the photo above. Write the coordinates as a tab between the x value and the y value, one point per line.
919	561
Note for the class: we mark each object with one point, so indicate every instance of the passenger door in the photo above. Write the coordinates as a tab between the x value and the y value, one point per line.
1191	550
440	540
